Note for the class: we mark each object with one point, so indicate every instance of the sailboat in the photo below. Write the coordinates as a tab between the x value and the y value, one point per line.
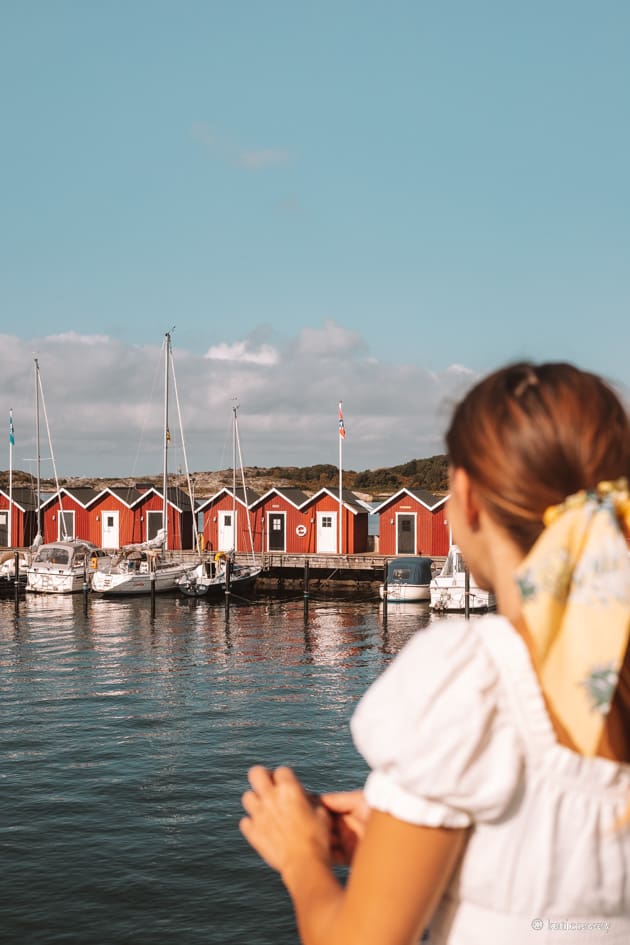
142	568
212	577
65	566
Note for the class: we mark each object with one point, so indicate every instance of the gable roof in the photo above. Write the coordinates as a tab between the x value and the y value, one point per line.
427	499
349	499
125	494
23	497
245	497
175	496
84	495
294	497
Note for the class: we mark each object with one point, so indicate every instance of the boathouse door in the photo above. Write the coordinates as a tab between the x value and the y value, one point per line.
154	523
327	533
4	529
110	537
65	525
276	531
405	534
227	530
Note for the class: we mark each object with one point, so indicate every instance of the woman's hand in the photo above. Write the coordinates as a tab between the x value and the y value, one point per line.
349	813
283	825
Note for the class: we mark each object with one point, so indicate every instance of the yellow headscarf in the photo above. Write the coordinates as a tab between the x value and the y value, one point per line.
575	587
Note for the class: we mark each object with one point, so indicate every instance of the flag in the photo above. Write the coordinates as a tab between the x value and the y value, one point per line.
11	430
342	429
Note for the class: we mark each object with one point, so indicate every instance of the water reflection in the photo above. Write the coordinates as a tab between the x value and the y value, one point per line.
126	738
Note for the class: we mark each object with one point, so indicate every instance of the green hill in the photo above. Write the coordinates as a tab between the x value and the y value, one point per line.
430	474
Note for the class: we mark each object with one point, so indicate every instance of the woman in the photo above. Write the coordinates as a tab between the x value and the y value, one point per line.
498	804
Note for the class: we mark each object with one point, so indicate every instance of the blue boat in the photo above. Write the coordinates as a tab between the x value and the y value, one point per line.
408	579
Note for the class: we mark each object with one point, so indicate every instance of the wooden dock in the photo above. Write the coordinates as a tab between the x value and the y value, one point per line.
351	571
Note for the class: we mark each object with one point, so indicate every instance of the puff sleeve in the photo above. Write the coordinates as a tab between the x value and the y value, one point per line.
442	749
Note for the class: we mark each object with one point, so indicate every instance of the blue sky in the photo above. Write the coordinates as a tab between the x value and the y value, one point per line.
357	201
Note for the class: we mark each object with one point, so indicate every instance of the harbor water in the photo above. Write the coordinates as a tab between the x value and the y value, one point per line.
126	738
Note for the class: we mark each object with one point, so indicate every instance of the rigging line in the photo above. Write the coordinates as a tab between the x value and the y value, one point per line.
147	409
224	463
245	497
185	455
64	533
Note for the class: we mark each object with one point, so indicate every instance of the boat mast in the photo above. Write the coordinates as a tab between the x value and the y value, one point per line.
167	436
245	497
234	409
38	454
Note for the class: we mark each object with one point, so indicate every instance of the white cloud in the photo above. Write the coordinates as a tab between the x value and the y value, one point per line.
241	351
227	149
331	340
270	157
74	337
104	402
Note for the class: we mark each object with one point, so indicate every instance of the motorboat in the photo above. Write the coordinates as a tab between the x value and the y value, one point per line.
210	578
453	589
9	574
64	567
408	580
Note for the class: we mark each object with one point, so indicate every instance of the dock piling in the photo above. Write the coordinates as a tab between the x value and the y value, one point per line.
228	592
16	586
467	593
306	594
152	582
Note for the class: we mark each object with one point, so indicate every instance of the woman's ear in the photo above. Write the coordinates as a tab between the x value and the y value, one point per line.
463	488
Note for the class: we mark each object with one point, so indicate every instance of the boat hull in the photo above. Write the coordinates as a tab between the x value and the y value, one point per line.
405	593
453	589
452	597
136	584
195	584
51	582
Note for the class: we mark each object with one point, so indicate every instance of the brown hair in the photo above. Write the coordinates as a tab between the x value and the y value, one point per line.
530	435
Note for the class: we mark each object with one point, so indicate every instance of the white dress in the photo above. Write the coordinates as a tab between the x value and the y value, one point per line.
456	734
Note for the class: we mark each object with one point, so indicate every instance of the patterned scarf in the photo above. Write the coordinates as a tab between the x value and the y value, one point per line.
575	587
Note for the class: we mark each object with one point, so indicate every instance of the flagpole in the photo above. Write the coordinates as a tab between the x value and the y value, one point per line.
342	434
11	442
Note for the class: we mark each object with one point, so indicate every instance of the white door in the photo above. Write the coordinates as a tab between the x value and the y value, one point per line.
110	537
227	530
327	532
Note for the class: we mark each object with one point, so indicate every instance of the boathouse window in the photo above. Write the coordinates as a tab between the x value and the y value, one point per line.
327	521
227	520
276	524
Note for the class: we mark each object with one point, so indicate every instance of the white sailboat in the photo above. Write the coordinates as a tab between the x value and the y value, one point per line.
211	577
65	566
449	591
142	568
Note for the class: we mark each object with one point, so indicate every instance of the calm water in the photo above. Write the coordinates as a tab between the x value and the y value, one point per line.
125	742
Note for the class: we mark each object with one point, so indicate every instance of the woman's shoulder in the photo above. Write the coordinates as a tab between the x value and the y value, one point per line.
434	725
